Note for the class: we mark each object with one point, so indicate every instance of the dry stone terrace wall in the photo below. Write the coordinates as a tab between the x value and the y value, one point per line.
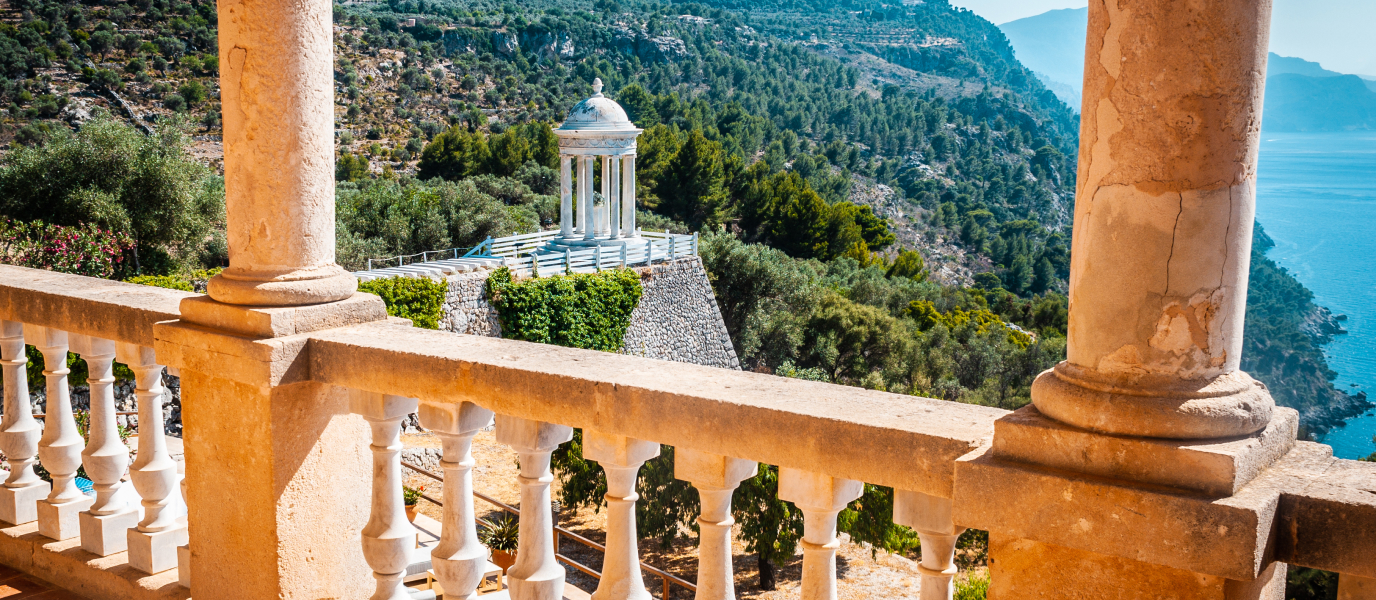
677	318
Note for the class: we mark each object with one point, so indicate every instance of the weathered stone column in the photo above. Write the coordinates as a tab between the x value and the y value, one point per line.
537	575
620	458
1163	223
565	195
715	477
459	559
821	498
277	94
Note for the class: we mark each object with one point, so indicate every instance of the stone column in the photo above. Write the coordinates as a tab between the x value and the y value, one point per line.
104	527
277	93
19	432
459	559
930	516
584	196
153	543
1163	223
536	575
715	477
620	458
614	198
388	538
565	195
628	195
60	447
605	212
821	498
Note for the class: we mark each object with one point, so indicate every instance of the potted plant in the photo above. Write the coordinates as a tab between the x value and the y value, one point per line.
502	537
411	497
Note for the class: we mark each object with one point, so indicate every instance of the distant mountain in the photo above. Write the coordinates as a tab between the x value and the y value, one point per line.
1280	65
1297	102
1052	44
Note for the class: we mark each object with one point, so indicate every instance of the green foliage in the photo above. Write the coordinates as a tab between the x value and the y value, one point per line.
419	299
589	310
411	496
870	519
504	534
461	152
171	282
973	587
908	264
691	188
770	527
1302	583
113	177
351	167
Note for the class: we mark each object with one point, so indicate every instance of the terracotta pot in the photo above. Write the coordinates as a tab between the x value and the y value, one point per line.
411	513
503	559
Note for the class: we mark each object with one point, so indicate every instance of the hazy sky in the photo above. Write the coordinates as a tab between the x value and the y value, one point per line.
1336	33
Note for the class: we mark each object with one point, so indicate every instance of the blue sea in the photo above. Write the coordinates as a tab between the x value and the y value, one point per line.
1316	197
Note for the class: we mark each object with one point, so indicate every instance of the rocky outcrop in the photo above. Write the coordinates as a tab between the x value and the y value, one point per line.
648	48
549	45
505	44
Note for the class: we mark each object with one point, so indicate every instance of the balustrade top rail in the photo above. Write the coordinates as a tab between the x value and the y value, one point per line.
111	310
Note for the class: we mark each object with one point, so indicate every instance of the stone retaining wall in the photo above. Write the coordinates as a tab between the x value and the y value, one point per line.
677	318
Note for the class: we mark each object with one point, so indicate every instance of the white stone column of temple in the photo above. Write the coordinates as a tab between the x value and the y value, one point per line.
388	537
628	195
277	90
19	432
821	498
459	560
931	518
565	195
60	447
605	212
1164	207
715	477
620	458
153	543
584	197
614	199
105	525
536	575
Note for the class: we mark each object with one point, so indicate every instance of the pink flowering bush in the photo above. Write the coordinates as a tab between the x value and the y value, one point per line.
81	250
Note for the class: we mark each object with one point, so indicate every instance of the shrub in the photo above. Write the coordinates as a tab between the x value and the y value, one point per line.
974	587
419	299
171	282
174	102
81	250
589	310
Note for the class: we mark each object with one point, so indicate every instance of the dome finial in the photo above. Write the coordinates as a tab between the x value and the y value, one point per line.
597	87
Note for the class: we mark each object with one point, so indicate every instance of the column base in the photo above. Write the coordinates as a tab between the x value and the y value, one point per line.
20	505
1021	569
103	535
153	553
460	574
184	565
318	285
60	521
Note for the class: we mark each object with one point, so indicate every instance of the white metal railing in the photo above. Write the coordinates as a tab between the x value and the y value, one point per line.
540	254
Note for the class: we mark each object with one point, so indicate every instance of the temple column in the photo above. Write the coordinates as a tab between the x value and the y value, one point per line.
277	92
613	176
628	195
565	195
585	221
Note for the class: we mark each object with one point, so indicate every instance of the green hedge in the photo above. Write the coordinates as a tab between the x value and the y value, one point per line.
589	311
419	299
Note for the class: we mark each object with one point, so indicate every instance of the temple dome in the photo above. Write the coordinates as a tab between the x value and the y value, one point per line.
598	113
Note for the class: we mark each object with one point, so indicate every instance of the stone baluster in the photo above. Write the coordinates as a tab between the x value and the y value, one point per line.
585	225
153	543
536	575
565	196
612	179
716	478
61	444
19	432
930	516
821	498
388	538
104	527
459	560
621	458
628	196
